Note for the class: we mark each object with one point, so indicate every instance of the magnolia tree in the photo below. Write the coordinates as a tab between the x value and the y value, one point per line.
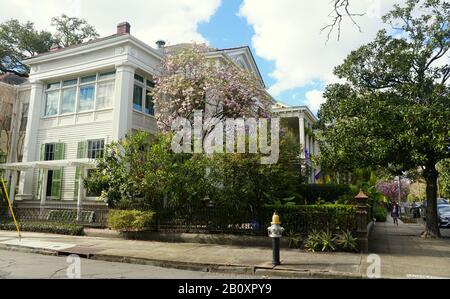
191	81
390	189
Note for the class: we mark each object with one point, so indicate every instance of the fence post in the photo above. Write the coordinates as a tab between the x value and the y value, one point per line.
361	218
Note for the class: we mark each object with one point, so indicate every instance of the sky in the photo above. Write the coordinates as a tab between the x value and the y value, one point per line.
285	36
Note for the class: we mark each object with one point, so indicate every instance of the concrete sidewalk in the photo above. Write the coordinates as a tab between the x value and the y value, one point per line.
404	254
201	257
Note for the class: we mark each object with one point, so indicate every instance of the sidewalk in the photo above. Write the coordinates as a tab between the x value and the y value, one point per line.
404	254
201	257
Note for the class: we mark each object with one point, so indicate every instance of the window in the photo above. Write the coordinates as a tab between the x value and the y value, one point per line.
143	102
105	94
51	103
68	100
137	98
96	148
86	98
80	94
49	152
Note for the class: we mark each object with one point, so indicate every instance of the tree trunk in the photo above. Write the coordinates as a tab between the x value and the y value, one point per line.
432	223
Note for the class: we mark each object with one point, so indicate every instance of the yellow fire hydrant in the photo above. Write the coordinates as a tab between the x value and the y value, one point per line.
276	232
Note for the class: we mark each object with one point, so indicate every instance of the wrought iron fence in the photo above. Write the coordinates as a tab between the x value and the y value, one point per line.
94	215
250	222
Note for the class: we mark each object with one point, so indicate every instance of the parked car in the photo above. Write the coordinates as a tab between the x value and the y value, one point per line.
440	202
444	215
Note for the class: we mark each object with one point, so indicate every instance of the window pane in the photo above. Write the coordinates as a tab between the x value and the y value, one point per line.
86	98
105	94
53	86
68	100
137	98
139	78
51	103
70	82
96	149
88	79
109	75
149	104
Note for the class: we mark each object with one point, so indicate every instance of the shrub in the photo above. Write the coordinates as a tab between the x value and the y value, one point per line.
129	220
327	241
315	193
380	214
313	241
45	227
305	219
347	242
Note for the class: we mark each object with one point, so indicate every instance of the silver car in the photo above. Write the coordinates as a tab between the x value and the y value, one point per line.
444	215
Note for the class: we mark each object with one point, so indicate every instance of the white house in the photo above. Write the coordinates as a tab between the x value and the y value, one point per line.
81	98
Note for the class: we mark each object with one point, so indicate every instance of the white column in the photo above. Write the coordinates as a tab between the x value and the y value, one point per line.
123	100
12	188
30	147
15	128
80	194
302	136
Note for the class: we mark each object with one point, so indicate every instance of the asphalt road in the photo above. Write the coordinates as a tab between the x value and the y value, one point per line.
35	266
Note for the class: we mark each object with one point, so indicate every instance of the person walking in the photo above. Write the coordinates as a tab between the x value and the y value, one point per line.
395	212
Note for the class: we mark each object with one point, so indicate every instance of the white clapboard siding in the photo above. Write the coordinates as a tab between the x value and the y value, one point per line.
71	136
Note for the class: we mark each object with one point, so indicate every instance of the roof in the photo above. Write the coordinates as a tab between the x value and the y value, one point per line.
12	79
76	46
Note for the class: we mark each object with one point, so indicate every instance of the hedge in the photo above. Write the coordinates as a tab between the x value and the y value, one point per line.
45	227
306	218
314	193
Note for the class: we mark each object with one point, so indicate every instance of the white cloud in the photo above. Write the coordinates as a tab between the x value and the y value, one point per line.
172	20
314	98
288	33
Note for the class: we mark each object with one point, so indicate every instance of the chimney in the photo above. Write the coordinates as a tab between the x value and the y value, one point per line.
160	44
123	28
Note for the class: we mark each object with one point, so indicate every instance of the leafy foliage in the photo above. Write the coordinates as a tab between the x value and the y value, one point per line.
330	193
129	220
72	31
313	241
380	214
393	111
347	242
19	40
45	227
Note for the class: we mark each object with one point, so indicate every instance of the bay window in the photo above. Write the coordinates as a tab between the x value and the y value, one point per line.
80	94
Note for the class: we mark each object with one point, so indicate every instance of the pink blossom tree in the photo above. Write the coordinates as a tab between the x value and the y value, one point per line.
390	189
190	81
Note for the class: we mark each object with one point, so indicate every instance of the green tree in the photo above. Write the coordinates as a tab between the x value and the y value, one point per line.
19	40
444	177
394	110
72	30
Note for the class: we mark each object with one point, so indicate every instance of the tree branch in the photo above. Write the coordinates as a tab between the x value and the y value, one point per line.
340	10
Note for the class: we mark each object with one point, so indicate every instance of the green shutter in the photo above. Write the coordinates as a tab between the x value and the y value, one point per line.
81	153
40	173
57	174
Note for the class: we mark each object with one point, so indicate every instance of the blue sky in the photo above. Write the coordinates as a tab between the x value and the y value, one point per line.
291	52
227	29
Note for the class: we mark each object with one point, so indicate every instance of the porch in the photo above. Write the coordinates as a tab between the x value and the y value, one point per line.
81	211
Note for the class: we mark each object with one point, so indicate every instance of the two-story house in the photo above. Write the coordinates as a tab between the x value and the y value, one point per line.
83	97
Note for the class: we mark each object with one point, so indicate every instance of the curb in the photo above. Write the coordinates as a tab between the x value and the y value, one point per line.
191	266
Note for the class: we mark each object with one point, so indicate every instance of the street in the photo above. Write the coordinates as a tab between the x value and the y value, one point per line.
35	266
